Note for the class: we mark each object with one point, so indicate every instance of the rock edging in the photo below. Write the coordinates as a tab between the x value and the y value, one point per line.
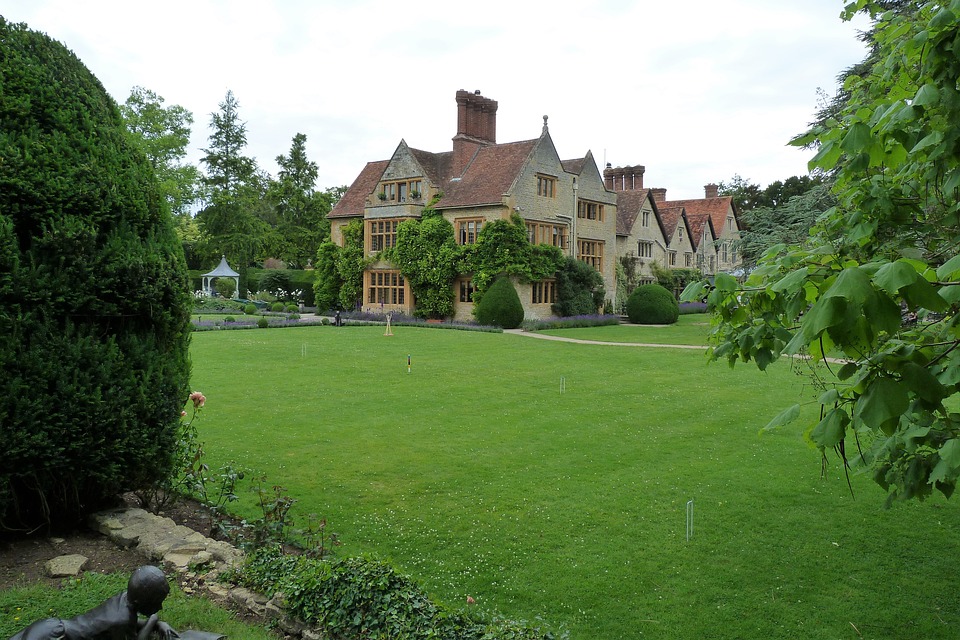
197	560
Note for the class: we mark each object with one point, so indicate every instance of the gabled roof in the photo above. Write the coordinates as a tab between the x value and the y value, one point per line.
435	165
490	174
354	200
716	208
672	215
629	205
697	224
574	166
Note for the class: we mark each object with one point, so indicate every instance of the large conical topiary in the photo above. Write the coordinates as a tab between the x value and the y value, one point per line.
94	305
500	305
652	304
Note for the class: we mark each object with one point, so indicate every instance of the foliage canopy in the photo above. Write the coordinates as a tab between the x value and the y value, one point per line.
876	285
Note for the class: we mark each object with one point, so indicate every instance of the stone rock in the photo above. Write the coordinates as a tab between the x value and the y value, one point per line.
66	566
312	634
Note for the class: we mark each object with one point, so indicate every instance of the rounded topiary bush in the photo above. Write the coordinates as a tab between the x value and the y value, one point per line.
652	304
277	307
250	309
500	306
94	303
263	323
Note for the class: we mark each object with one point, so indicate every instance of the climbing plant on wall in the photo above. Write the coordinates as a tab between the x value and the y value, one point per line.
503	248
429	257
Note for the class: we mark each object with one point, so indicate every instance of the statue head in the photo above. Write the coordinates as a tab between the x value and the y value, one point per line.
147	589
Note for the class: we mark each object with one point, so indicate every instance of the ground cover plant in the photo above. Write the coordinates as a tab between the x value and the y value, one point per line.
471	472
23	605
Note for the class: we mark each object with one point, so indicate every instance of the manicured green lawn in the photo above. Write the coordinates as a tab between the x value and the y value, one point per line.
690	329
474	474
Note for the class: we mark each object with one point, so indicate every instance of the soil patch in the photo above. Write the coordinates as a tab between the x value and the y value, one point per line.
22	558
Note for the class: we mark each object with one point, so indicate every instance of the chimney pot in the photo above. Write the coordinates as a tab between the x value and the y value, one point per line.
711	190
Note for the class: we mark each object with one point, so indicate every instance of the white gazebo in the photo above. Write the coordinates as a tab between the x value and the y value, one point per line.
223	270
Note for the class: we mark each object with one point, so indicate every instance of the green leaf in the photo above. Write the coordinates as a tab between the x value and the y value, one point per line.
857	138
923	295
950	268
847	370
927	95
893	276
725	282
693	292
825	313
827	157
829	432
786	416
792	281
883	402
949	455
929	140
829	397
922	382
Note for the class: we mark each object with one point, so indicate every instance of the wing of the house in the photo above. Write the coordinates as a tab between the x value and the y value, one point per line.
641	236
726	223
704	241
678	233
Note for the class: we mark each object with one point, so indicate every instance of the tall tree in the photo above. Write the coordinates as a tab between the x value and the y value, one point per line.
301	211
785	224
163	134
234	191
877	284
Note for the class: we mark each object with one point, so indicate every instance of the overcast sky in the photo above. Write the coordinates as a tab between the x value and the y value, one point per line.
695	90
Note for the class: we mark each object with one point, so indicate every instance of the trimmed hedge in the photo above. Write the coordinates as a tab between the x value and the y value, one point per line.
94	306
652	304
500	305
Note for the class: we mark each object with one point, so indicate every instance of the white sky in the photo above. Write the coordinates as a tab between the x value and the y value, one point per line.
695	90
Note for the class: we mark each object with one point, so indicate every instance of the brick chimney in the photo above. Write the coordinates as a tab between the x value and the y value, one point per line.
476	127
711	190
623	178
659	194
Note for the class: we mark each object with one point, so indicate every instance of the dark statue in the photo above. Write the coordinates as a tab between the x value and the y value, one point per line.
119	618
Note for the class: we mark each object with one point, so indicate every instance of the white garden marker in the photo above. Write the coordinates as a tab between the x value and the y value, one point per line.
689	519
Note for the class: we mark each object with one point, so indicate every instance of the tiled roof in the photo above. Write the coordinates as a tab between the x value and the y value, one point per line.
354	200
435	165
489	175
697	223
716	208
670	214
574	166
628	208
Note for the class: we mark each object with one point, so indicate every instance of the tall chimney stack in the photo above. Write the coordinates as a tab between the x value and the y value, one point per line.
476	127
711	190
659	194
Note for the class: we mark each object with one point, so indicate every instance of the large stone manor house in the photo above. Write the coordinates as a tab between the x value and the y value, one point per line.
596	216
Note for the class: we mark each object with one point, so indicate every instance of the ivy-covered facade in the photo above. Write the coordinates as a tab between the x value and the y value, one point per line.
562	203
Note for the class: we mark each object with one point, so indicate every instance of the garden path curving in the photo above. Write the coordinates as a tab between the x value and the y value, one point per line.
534	334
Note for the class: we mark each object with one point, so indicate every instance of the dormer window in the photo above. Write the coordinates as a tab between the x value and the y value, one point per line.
400	190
